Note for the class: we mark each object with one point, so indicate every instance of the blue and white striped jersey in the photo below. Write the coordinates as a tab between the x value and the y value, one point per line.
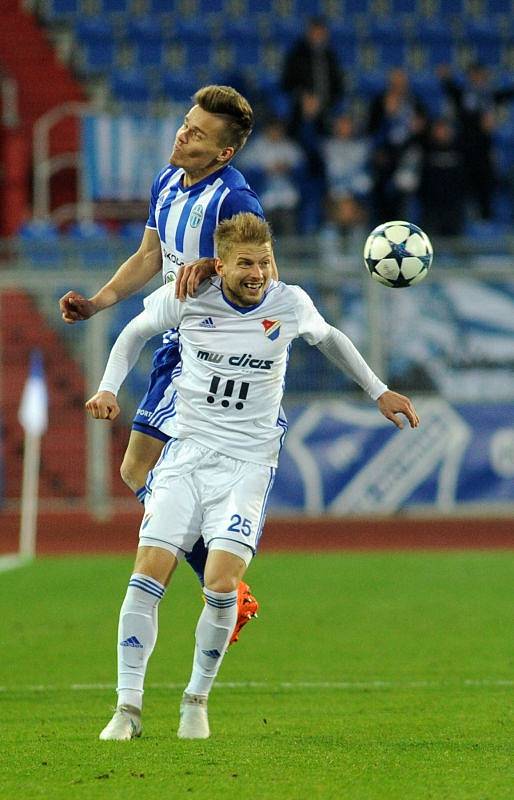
185	217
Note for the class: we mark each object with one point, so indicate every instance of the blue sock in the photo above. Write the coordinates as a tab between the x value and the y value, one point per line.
197	558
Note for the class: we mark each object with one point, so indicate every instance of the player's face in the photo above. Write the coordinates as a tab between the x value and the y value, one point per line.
197	147
246	273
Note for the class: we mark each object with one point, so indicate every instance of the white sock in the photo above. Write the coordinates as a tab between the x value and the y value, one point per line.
213	632
137	634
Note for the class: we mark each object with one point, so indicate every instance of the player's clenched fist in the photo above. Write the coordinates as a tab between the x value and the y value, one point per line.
103	405
74	307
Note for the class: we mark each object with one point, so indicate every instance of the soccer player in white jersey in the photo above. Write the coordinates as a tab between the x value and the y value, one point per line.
196	190
216	471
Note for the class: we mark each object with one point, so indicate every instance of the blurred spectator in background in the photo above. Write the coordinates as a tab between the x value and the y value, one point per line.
442	180
311	67
272	162
348	178
396	121
474	104
312	183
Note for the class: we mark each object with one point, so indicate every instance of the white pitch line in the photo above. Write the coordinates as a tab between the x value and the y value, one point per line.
270	686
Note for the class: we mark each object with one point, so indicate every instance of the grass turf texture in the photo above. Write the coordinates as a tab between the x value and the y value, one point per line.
374	676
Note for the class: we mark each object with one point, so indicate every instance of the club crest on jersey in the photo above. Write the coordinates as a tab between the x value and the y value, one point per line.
196	215
272	328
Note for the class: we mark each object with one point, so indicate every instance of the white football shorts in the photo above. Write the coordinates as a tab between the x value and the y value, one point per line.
195	491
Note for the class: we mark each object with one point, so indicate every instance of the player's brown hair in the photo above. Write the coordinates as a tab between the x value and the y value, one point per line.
226	102
242	228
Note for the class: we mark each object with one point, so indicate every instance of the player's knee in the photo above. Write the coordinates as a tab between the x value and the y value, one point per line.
222	583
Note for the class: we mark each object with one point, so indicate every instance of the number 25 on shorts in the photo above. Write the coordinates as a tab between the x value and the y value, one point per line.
240	525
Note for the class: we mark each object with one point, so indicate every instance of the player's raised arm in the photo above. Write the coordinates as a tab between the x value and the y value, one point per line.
338	348
131	276
160	313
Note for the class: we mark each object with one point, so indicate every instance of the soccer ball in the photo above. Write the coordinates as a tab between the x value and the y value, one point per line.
398	254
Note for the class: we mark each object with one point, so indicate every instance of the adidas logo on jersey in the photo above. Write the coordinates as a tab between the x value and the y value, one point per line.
207	323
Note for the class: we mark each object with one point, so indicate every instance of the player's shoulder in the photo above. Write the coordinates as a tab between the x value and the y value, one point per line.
233	178
289	292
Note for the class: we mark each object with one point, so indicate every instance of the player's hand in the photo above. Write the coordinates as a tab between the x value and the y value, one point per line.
391	404
103	405
190	276
74	307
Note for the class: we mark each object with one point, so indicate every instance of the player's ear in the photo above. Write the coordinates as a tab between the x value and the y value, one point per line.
226	154
218	266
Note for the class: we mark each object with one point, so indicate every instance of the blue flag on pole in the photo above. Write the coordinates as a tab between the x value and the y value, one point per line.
33	411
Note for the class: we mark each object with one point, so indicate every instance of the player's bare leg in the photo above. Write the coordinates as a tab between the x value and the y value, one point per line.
140	457
137	634
223	574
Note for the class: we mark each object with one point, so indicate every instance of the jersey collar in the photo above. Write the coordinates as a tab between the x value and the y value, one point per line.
213	176
243	309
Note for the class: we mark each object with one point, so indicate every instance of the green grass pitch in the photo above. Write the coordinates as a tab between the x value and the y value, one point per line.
367	677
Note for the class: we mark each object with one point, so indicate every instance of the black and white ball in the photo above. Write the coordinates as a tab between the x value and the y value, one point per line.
398	254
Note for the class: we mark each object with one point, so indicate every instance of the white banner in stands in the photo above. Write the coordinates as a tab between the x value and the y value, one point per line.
122	154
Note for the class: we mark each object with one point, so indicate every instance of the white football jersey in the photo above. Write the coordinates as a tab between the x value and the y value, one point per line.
228	394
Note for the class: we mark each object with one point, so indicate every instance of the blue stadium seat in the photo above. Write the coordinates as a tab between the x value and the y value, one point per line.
211	7
91	248
60	9
384	30
39	242
391	55
198	54
187	30
488	52
114	6
144	29
93	29
347	52
434	30
404	7
499	7
150	53
370	83
454	7
352	7
482	29
427	86
130	86
179	87
243	29
262	6
97	57
248	53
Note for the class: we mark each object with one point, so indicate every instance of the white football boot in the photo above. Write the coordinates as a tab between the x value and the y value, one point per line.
125	725
194	722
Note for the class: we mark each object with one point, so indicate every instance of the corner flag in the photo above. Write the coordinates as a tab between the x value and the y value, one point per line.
33	416
33	411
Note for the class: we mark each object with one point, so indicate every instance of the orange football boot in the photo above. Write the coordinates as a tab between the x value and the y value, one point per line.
247	607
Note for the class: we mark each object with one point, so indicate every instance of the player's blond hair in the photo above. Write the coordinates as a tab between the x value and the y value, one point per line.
236	111
243	228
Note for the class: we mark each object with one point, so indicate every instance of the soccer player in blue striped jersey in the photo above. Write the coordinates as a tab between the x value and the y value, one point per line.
197	189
